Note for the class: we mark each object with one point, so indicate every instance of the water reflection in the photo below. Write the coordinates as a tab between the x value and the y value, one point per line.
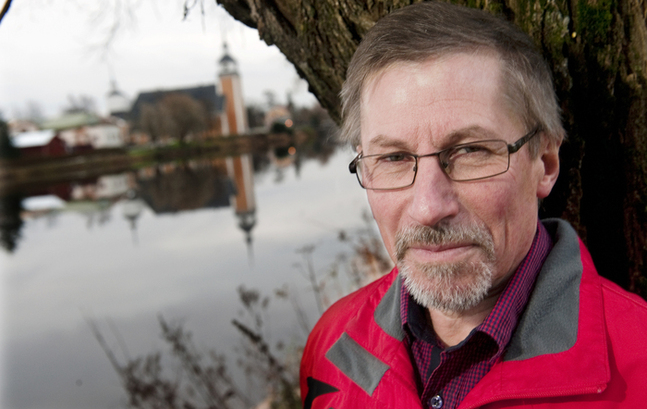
164	188
243	199
10	221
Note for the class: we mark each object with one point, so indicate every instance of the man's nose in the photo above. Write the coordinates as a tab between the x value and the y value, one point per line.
434	198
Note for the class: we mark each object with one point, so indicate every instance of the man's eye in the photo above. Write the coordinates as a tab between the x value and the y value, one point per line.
471	149
394	157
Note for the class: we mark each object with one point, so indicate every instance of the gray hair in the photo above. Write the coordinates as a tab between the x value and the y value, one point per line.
430	30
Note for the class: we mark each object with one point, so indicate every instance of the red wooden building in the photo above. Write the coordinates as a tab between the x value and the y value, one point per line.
44	143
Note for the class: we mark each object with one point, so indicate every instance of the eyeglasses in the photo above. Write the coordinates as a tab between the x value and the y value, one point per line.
464	162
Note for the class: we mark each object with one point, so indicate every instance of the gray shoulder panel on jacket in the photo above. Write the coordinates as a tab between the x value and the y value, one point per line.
550	320
387	313
362	367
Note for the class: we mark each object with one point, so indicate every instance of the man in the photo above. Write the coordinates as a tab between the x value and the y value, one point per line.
457	130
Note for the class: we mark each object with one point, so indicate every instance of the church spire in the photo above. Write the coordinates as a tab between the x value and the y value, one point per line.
227	64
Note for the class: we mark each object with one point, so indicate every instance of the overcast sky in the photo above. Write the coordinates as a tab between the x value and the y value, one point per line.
49	50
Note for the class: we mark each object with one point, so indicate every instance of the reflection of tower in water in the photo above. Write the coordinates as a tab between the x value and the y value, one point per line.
241	171
132	209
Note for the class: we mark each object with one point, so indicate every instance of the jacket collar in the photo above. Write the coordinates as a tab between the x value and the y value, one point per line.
559	347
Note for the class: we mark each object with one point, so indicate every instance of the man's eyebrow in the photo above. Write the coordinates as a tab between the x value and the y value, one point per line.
474	131
384	141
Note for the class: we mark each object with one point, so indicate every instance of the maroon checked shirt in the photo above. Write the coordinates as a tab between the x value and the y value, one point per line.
445	376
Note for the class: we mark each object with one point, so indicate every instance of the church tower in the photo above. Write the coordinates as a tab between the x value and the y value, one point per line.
234	120
118	104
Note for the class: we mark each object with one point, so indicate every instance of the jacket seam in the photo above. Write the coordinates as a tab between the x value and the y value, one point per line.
625	296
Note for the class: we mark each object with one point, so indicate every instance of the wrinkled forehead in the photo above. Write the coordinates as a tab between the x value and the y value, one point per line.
435	58
408	89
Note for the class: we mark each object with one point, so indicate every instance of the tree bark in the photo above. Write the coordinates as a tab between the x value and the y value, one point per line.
598	53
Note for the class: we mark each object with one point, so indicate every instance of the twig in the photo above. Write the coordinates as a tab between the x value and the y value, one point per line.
178	341
5	9
106	349
263	348
302	318
312	276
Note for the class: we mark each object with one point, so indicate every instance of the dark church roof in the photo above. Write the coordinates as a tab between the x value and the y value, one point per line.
116	92
206	94
227	59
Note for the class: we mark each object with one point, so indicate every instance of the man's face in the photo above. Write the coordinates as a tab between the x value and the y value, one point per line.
480	230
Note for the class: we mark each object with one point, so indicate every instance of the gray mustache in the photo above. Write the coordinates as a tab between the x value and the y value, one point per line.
443	235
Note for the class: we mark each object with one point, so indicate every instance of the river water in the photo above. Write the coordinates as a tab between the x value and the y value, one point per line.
125	249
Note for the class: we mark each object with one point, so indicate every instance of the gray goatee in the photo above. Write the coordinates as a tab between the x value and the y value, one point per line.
450	287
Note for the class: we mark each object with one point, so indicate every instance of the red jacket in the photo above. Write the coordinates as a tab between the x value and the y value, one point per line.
581	342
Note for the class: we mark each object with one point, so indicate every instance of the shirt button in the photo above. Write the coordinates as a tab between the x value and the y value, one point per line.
436	402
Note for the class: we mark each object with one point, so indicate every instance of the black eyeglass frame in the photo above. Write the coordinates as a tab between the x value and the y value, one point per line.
512	148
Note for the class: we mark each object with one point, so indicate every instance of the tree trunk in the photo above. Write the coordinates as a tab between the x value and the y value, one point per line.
598	53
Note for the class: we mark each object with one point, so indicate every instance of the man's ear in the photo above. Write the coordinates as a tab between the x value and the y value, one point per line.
358	148
549	158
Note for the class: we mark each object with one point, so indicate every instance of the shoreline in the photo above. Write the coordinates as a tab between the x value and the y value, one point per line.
16	174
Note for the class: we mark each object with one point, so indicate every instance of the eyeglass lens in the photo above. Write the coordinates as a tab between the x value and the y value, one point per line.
463	162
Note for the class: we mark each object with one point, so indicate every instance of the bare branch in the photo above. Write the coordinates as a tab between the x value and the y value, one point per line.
104	345
111	18
5	9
